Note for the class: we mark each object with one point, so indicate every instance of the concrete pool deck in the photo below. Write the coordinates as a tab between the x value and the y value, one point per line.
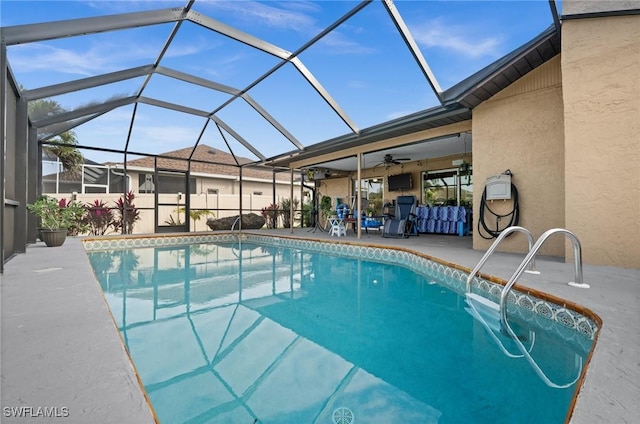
60	348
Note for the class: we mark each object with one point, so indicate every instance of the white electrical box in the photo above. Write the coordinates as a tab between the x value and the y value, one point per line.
498	187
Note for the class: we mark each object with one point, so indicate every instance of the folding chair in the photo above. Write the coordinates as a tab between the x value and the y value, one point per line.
403	223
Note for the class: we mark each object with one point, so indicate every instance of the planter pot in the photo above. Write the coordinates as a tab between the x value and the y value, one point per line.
53	238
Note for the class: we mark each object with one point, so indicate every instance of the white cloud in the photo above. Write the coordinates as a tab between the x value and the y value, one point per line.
93	58
436	34
339	44
86	61
268	15
358	84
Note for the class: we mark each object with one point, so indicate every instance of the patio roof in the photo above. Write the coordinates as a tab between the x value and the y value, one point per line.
307	86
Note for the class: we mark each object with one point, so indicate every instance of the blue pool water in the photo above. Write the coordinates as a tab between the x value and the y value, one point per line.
228	333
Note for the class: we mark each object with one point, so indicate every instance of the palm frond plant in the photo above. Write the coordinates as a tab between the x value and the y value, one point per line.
196	214
65	143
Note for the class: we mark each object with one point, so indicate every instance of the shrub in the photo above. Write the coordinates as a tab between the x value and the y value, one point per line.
270	214
286	206
57	214
99	218
128	214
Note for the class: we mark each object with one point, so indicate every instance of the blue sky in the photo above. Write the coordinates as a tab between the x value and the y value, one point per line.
363	64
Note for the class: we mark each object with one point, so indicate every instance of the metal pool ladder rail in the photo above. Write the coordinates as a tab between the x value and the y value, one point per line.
577	260
481	308
237	221
486	310
494	246
527	262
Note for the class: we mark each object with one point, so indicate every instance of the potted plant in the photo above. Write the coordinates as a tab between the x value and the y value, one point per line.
56	217
325	207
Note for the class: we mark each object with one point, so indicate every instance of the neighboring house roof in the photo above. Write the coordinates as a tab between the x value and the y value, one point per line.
206	160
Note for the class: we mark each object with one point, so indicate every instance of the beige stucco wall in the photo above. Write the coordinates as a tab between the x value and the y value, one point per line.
521	129
601	81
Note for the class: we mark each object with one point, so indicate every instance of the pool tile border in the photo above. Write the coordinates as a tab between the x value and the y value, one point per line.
543	307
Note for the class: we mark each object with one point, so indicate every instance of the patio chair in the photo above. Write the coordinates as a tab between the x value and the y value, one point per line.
403	223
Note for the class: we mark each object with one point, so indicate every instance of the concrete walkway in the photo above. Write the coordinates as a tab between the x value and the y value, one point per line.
60	348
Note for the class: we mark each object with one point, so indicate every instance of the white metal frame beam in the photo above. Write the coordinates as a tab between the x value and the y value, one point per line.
29	33
85	83
83	112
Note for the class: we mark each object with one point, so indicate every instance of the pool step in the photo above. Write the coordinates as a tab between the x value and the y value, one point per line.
484	310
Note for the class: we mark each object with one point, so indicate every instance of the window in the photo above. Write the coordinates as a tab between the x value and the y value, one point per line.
169	183
372	189
257	193
447	187
212	191
146	184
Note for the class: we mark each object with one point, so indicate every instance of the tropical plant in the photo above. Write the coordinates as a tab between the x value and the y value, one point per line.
270	214
307	213
196	214
99	217
286	205
173	221
56	214
65	143
78	212
325	205
127	213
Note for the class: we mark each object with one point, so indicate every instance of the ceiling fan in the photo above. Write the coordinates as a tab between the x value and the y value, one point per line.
390	160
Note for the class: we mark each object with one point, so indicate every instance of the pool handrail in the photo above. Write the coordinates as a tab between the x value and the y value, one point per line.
535	365
577	255
527	262
237	221
507	231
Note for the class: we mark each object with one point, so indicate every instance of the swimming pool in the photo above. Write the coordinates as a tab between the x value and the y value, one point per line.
315	332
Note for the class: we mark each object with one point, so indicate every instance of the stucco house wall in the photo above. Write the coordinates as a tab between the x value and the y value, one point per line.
601	82
521	129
